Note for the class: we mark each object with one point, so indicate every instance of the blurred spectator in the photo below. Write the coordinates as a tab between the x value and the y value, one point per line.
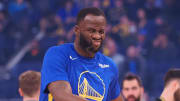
163	50
159	3
145	31
122	27
68	14
106	4
145	26
133	63
3	18
131	7
60	28
2	46
56	4
96	3
3	24
17	9
151	10
54	34
113	14
2	6
170	9
142	21
111	49
162	56
83	3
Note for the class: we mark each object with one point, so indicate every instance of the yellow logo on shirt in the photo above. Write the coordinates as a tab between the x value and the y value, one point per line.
87	83
50	97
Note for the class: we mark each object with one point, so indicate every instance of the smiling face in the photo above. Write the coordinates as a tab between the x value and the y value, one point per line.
90	33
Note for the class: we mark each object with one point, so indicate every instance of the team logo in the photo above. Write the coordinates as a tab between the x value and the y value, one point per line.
91	86
103	65
72	58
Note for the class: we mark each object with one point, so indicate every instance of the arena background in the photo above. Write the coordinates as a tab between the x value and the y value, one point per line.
143	37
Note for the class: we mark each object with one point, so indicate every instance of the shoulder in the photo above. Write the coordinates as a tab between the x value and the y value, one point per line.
106	59
57	55
64	48
59	51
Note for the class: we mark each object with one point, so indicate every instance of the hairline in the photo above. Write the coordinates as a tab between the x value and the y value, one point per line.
90	14
131	80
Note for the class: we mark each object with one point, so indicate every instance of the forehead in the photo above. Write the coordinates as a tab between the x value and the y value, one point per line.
130	83
93	21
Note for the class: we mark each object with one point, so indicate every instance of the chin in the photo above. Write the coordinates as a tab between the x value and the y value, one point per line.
94	49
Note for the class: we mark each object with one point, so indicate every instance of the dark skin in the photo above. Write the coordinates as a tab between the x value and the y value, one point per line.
61	91
92	28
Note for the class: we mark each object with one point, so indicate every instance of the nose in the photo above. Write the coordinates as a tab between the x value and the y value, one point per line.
97	35
130	92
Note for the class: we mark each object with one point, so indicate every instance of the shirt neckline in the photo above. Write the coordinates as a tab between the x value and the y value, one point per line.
83	57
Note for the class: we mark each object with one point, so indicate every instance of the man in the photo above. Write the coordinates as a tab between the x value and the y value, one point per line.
78	72
171	91
132	88
29	85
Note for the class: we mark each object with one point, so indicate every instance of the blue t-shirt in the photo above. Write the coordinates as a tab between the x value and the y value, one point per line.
95	79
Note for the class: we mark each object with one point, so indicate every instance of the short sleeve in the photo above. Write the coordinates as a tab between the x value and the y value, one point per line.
115	89
54	67
114	86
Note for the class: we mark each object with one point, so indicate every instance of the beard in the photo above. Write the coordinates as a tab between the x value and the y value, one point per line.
88	45
177	95
132	97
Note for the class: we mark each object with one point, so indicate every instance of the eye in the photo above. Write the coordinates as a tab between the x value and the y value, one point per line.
126	89
134	88
91	30
101	31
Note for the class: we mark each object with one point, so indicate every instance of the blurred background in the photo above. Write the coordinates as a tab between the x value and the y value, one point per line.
143	37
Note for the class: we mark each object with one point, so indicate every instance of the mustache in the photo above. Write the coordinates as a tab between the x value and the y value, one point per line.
131	96
88	45
97	39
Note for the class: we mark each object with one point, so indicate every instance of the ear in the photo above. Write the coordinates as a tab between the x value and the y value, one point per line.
176	85
76	30
20	92
142	90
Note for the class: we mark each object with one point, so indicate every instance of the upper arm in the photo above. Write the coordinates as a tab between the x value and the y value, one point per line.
114	85
54	68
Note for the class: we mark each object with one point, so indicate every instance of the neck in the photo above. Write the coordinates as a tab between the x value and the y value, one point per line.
31	98
83	52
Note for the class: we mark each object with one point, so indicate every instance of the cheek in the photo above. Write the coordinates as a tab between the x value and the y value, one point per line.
137	93
125	93
103	36
85	35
